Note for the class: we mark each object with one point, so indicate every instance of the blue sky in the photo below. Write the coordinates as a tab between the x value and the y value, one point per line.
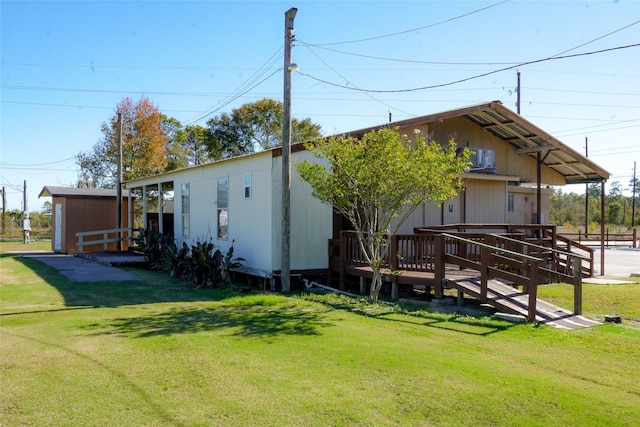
65	66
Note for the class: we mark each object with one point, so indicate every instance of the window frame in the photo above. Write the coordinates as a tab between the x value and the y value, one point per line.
185	214
222	209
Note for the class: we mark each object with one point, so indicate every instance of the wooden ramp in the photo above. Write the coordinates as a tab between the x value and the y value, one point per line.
506	298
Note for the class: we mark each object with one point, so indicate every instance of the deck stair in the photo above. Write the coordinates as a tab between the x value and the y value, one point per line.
506	298
501	269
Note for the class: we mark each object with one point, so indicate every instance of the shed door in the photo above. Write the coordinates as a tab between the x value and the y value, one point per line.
57	228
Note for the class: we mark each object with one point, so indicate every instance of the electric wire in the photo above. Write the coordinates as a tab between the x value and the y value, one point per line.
550	58
414	29
366	93
247	86
412	61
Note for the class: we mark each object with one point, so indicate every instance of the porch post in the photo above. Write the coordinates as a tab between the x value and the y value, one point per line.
145	221
602	228
533	290
577	285
438	264
160	200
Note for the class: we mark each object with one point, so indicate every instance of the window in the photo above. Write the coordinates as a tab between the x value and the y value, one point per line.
186	209
223	208
247	185
510	203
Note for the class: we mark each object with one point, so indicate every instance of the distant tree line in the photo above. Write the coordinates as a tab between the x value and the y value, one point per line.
568	210
154	143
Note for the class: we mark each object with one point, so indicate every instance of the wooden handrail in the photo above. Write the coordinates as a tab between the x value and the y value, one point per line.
81	243
497	249
546	248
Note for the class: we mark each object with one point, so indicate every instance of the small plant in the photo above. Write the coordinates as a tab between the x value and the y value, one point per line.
226	264
158	249
199	264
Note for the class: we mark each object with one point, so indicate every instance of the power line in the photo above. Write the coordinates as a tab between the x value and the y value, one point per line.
582	91
60	89
39	164
551	58
414	29
84	106
412	61
247	86
367	94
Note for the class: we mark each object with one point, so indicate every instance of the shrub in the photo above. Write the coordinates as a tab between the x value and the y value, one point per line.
200	264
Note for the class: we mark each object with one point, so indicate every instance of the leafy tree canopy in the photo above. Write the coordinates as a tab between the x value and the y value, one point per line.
380	178
255	127
144	146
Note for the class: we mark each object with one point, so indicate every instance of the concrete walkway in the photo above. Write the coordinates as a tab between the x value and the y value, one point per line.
78	269
619	263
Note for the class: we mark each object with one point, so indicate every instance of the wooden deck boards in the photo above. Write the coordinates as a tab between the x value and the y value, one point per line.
499	295
507	298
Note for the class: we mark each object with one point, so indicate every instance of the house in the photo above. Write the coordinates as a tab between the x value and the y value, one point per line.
238	201
81	210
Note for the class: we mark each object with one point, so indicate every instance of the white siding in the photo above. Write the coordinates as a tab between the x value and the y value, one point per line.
311	220
249	219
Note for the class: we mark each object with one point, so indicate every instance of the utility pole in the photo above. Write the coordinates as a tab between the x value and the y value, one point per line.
633	197
119	187
586	194
4	208
518	93
26	224
285	271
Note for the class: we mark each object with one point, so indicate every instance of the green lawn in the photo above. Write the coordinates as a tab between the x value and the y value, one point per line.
156	353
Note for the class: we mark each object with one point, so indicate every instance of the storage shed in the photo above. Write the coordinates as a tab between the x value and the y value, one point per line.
77	210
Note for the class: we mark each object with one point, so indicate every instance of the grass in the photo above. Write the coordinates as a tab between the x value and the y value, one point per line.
153	352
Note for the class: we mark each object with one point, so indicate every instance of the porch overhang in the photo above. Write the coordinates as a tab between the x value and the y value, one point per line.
527	138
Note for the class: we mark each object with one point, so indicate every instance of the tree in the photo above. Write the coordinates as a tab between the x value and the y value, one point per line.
46	208
197	143
188	146
256	127
380	179
177	153
144	146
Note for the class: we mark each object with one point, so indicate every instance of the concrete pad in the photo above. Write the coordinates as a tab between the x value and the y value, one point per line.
78	269
618	263
596	281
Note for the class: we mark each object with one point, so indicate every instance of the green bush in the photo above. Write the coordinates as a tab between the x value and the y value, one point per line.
200	265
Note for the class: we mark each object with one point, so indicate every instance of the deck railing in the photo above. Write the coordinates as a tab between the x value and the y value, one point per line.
610	239
512	258
105	240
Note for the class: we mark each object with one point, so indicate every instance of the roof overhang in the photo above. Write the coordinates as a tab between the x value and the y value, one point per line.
527	138
51	191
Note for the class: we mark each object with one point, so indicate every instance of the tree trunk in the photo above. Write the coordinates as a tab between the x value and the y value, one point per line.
376	285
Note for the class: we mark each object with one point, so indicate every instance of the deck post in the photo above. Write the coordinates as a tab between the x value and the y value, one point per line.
393	253
532	288
577	285
343	254
438	264
484	273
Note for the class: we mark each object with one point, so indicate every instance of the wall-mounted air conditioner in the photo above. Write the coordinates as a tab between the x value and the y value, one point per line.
482	160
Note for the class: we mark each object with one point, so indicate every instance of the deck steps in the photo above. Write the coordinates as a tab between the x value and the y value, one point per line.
506	298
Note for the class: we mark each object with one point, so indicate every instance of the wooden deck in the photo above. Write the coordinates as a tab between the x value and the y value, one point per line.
486	266
506	298
500	296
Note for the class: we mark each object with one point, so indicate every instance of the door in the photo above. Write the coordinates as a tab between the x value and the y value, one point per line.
57	228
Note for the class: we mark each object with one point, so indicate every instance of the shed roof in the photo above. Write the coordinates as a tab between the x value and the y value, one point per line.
52	191
527	138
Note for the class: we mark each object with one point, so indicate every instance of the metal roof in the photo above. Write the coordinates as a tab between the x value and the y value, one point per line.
527	138
52	191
